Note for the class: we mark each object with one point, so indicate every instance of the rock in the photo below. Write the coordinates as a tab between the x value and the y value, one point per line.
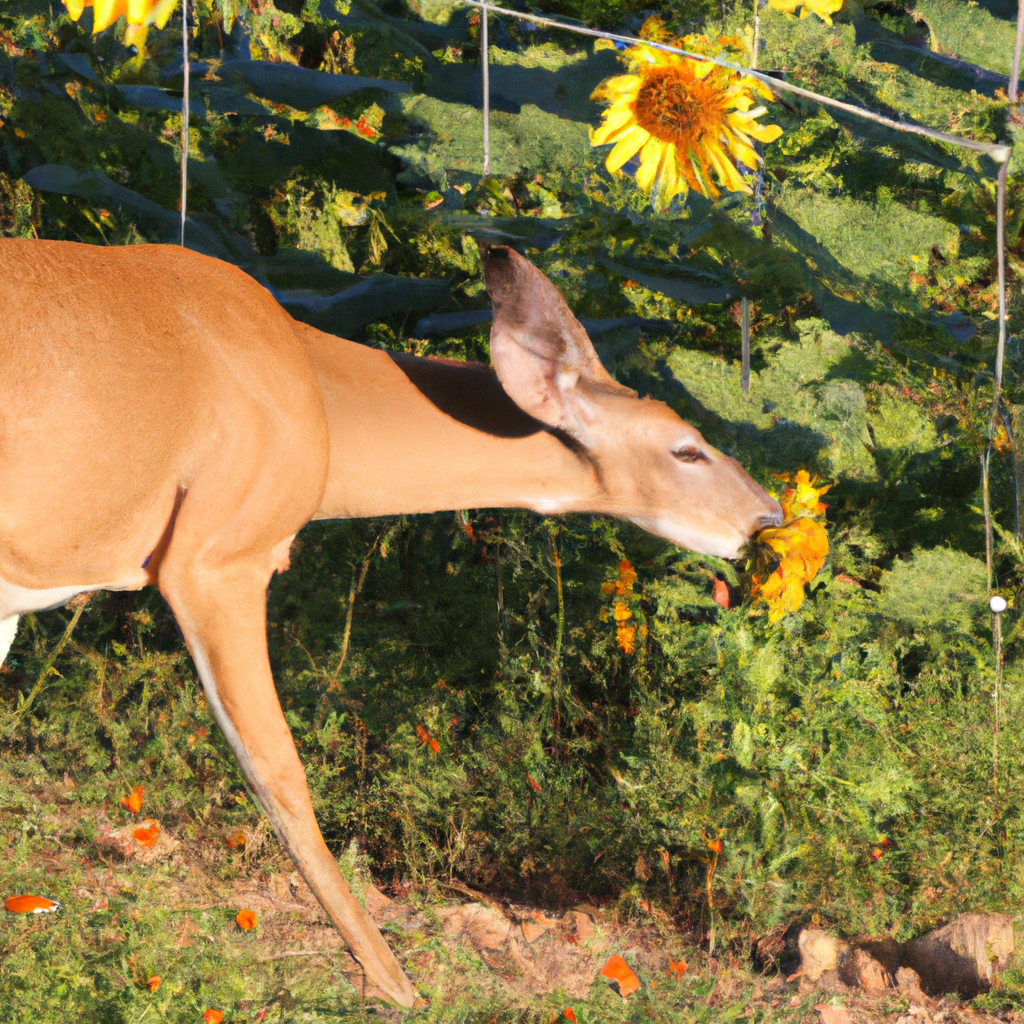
583	925
483	926
859	969
819	952
909	983
963	955
533	930
834	1014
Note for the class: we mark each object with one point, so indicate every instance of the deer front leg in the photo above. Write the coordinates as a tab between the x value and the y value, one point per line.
222	615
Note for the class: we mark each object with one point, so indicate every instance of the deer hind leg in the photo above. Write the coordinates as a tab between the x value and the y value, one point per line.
8	631
222	615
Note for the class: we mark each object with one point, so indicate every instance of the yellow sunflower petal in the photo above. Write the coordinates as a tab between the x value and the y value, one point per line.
669	182
628	146
650	160
161	12
614	121
615	88
728	175
135	35
106	12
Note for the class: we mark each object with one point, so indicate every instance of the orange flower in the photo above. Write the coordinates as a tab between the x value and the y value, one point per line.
146	835
246	920
627	577
618	971
534	785
30	905
133	801
569	1015
715	846
425	737
677	967
153	982
622	613
213	1016
625	637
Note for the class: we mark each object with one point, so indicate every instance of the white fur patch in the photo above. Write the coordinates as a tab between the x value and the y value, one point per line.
8	631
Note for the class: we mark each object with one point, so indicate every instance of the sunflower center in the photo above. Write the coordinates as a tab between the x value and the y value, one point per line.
675	107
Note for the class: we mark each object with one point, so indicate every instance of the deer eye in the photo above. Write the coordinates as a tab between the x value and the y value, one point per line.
688	453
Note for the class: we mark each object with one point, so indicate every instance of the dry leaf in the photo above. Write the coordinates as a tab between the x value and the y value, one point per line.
133	801
618	971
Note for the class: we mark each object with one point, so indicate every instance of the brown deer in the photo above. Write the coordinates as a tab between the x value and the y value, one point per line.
164	421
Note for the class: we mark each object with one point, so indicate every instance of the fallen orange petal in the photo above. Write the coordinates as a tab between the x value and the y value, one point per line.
146	835
619	971
533	783
153	982
30	905
568	1014
246	920
721	595
133	801
213	1016
678	967
237	839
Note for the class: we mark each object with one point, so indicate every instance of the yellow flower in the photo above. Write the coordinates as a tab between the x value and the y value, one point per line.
690	121
790	555
802	499
140	14
824	9
799	547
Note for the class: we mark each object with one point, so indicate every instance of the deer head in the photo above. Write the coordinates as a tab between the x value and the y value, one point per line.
652	467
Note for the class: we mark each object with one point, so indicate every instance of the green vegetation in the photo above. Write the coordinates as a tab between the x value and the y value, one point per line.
869	714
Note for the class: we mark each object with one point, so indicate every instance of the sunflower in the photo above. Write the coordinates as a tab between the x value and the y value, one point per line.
140	14
689	120
824	9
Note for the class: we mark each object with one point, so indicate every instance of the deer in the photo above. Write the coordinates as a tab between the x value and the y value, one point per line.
165	422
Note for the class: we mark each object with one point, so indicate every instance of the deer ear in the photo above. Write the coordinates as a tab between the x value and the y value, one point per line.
540	351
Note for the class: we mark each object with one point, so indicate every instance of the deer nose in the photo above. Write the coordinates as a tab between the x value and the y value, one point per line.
773	518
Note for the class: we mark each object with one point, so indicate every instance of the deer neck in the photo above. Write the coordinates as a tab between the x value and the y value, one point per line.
411	435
